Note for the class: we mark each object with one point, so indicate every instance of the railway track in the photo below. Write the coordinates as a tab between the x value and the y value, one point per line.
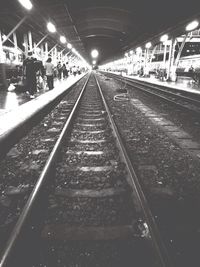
185	100
87	208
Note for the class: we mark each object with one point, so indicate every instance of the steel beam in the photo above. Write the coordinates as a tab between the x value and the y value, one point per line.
43	38
52	48
14	29
180	50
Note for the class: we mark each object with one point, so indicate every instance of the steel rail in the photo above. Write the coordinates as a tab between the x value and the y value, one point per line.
184	106
26	212
135	184
167	91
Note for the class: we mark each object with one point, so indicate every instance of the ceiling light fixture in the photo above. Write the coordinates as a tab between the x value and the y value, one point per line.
26	4
69	46
63	39
51	27
94	53
164	38
192	26
148	45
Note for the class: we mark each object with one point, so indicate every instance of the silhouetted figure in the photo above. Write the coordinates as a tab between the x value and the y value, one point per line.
30	74
49	68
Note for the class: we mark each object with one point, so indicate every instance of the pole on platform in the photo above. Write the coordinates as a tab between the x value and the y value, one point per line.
15	46
42	51
2	66
30	40
170	72
46	50
26	45
1	48
165	54
56	55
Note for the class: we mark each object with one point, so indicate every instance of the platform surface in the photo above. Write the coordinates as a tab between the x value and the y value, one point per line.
18	107
12	100
183	83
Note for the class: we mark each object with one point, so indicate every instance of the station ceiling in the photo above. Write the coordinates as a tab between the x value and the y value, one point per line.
111	26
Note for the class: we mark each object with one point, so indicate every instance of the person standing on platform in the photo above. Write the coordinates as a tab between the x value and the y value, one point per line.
59	69
30	74
49	68
64	71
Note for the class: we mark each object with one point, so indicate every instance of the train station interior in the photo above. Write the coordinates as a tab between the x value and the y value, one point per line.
99	133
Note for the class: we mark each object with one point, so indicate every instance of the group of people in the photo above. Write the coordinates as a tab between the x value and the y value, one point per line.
34	71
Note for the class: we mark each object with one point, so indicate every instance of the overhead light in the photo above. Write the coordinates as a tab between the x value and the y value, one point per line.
94	53
51	27
148	45
69	46
26	4
138	49
63	39
192	25
4	37
38	49
94	62
164	38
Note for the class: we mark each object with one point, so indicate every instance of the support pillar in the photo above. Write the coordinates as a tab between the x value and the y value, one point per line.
30	41
146	56
3	80
46	51
170	72
16	47
25	45
165	55
42	53
56	55
1	49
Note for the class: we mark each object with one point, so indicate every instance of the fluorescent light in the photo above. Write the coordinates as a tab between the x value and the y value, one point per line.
51	27
94	53
4	37
69	46
26	3
164	38
192	25
148	45
138	49
63	39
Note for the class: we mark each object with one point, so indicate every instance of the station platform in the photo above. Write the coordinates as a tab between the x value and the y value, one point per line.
17	108
12	100
183	83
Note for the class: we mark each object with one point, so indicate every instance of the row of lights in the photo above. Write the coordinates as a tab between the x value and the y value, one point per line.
190	27
50	26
